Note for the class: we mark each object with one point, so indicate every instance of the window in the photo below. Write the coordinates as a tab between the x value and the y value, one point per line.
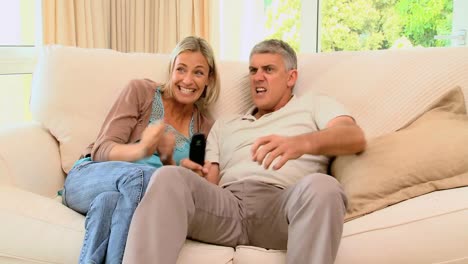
384	24
20	25
335	25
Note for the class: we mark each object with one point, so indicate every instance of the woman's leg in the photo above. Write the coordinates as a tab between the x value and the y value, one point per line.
98	227
83	185
121	222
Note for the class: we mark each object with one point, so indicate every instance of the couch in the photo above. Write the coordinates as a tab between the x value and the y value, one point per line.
73	88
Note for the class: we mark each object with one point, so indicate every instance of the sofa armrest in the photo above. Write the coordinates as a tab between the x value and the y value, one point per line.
30	159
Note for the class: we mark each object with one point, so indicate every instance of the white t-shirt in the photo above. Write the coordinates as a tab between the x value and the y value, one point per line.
230	140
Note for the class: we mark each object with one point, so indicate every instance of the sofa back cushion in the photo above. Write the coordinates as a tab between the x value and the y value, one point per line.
386	89
74	88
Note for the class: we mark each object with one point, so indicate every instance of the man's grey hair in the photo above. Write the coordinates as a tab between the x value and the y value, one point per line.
276	46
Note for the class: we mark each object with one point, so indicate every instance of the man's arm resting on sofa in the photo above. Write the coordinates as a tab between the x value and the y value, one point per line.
30	159
341	136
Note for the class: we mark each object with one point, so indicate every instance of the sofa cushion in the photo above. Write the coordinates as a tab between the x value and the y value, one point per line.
235	91
33	173
253	255
431	228
74	88
428	155
36	229
385	89
195	252
396	234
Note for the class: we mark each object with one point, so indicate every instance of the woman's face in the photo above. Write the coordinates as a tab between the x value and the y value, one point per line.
189	76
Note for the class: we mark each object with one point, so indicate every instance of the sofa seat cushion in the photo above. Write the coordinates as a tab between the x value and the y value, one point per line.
195	252
431	228
36	229
251	255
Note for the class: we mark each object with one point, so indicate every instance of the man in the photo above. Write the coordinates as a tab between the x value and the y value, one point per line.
270	164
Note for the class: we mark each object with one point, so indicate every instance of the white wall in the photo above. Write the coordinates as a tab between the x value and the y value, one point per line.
239	28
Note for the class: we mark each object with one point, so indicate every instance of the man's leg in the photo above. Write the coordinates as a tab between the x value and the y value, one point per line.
306	219
179	203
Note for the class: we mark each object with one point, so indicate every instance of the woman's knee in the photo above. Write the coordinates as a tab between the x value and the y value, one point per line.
135	178
105	200
102	208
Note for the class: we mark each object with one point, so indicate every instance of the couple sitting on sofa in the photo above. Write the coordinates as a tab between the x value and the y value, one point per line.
264	181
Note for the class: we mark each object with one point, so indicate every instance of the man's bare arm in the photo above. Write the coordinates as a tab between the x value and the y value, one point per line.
341	136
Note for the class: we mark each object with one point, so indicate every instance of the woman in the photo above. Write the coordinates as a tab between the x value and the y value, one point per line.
148	126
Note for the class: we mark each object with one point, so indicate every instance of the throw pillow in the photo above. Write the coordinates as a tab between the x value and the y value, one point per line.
428	154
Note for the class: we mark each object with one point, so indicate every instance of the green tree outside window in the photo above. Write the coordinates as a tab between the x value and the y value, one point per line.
365	24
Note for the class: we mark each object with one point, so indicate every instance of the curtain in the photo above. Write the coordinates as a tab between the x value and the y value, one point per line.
124	25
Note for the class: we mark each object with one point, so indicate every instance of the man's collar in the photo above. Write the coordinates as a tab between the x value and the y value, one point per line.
250	114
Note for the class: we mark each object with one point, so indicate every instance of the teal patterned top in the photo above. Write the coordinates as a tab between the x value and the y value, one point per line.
182	143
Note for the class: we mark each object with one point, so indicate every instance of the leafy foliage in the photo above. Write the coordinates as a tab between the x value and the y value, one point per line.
365	24
423	19
284	21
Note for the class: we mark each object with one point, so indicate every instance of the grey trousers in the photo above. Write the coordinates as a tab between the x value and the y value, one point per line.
306	219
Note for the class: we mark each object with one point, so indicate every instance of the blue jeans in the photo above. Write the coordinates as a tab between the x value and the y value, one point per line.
108	194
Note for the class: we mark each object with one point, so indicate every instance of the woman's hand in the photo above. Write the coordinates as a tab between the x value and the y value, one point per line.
150	139
147	145
195	167
209	171
166	148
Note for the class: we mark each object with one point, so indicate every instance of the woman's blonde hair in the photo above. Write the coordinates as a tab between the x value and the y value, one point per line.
212	90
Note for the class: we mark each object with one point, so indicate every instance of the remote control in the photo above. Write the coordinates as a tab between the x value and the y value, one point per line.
197	148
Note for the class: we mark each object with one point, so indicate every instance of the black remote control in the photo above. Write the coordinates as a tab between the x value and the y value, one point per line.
197	148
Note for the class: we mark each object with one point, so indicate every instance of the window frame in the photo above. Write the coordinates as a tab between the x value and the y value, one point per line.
21	59
310	39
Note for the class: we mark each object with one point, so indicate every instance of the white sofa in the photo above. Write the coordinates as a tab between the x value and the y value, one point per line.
73	88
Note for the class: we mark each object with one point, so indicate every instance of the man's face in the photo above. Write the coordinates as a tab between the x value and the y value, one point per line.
270	83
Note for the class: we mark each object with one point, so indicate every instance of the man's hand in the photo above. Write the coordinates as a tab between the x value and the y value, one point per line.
266	149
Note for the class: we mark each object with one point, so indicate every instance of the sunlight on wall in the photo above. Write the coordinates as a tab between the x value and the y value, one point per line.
241	25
